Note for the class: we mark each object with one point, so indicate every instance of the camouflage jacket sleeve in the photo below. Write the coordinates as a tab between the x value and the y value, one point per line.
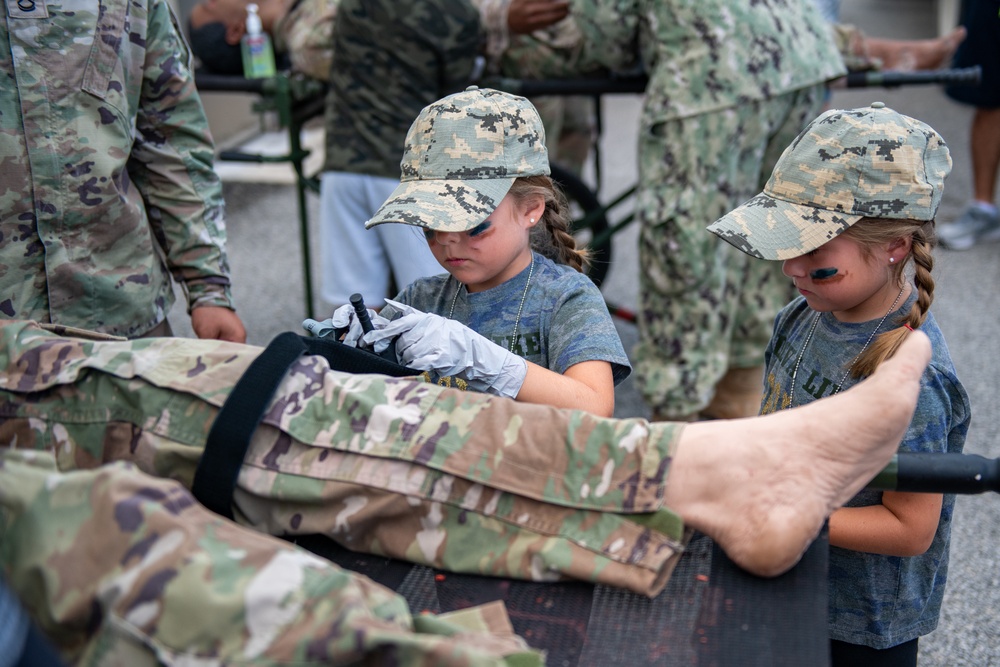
305	33
171	164
496	34
710	55
550	53
609	33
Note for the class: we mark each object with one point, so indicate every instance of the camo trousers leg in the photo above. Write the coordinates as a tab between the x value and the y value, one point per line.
456	480
123	569
705	306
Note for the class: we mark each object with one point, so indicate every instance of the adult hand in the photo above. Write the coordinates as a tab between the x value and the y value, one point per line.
218	323
429	342
526	16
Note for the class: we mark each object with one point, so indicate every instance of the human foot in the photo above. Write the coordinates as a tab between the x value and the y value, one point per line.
762	487
919	54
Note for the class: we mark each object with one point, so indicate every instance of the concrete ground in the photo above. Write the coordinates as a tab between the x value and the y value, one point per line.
265	256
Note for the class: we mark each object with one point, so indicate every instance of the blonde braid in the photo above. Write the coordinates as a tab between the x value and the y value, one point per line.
923	240
551	238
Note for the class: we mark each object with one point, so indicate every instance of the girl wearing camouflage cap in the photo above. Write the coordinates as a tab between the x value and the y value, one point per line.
514	315
850	203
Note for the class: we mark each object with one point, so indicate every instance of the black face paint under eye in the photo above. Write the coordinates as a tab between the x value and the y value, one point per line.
479	229
822	274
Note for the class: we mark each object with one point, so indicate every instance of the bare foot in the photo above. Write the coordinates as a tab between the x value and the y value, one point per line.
762	487
918	54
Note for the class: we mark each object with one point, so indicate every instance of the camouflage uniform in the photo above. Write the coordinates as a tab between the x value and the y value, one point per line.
457	480
550	53
105	168
305	33
394	58
730	85
179	585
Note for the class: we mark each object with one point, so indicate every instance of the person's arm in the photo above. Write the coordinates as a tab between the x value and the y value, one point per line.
903	525
171	165
609	33
524	16
427	341
862	52
588	385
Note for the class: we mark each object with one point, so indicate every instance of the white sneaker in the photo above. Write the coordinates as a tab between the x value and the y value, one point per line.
973	226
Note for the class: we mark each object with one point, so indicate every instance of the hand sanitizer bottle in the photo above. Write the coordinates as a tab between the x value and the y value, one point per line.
258	55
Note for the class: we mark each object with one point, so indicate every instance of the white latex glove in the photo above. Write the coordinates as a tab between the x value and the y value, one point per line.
429	342
344	317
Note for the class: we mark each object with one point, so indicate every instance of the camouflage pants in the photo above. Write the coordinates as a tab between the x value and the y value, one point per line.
122	569
705	307
455	480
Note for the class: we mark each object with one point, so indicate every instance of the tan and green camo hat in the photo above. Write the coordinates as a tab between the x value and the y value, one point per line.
870	162
461	157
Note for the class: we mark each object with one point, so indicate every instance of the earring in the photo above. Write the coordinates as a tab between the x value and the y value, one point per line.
531	220
892	260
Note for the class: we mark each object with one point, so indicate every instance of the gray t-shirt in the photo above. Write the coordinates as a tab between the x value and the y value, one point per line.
563	321
877	601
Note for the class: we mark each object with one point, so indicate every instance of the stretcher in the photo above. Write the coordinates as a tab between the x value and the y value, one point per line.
710	613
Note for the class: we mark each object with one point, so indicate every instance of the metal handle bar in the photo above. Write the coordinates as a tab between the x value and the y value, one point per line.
636	83
597	86
939	473
970	76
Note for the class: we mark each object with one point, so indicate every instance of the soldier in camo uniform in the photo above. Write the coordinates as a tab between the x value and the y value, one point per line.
731	84
106	172
458	480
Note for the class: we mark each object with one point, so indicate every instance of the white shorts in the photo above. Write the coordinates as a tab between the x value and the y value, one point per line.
355	259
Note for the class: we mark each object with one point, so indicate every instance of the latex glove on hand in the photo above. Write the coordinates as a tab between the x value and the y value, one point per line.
429	342
344	318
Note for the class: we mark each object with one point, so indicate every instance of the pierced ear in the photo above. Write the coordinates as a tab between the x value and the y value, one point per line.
534	209
902	245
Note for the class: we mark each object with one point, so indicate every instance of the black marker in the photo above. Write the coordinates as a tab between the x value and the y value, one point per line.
364	318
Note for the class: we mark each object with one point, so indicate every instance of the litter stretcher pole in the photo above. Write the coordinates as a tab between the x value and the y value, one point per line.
970	76
939	473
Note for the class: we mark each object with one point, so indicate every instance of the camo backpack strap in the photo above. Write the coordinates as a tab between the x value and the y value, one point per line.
243	410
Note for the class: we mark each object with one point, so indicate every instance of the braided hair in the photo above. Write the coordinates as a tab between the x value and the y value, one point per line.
552	238
868	233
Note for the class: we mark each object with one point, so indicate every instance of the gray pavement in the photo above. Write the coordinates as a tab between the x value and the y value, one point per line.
264	250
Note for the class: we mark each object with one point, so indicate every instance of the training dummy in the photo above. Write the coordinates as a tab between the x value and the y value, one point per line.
453	479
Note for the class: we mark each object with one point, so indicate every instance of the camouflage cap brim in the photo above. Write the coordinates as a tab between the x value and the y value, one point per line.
444	205
770	228
846	165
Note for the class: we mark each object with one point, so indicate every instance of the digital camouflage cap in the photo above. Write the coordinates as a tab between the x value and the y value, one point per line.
870	162
461	157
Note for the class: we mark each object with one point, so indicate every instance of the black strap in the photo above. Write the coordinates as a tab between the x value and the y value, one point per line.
229	437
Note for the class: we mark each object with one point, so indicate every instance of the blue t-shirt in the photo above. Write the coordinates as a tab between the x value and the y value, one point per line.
564	320
877	601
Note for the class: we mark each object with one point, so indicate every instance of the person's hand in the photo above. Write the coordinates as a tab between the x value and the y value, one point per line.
344	318
429	342
526	16
218	323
